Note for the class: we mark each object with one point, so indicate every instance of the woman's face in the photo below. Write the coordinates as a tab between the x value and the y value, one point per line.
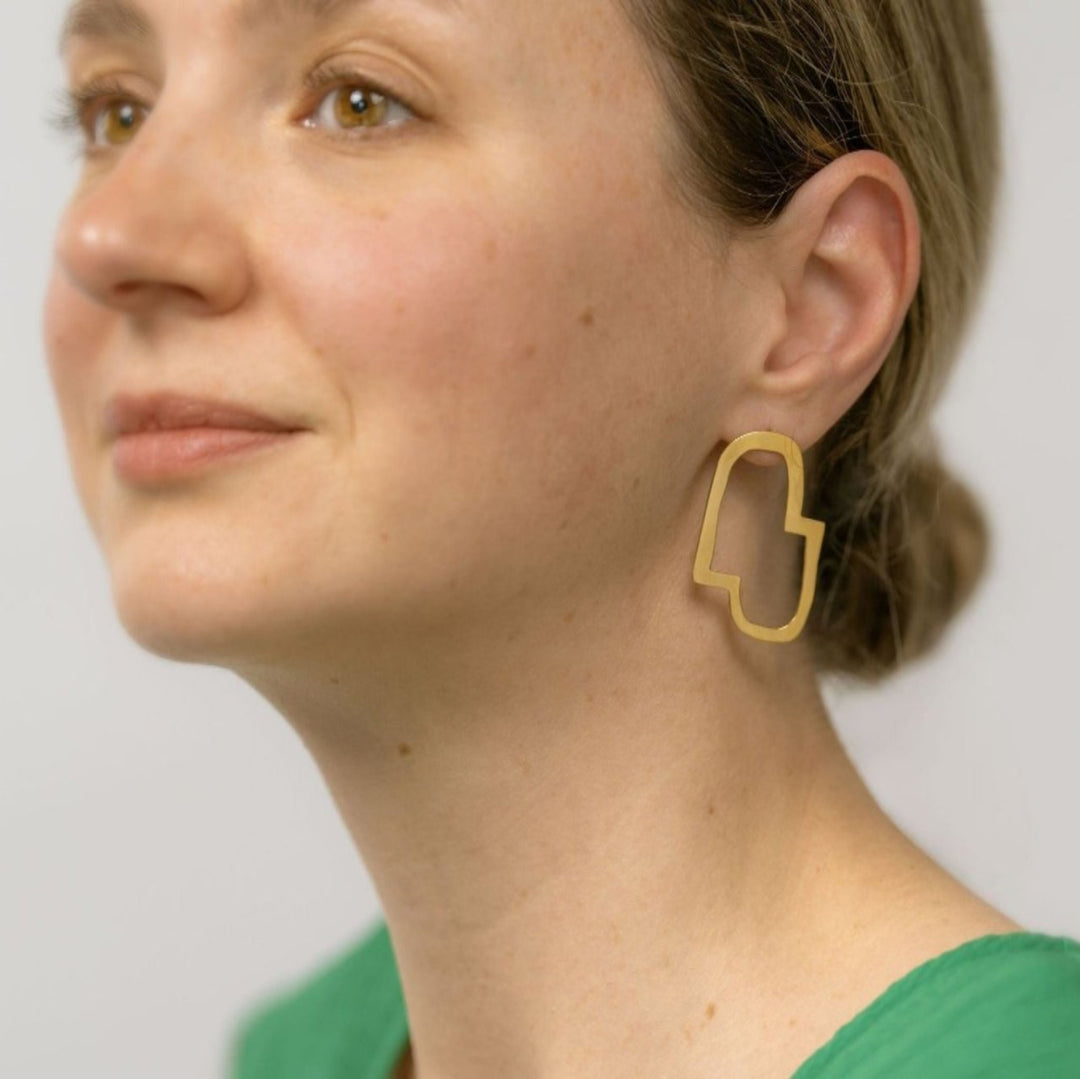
502	337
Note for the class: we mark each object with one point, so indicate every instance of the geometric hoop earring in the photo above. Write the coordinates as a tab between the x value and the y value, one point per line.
794	522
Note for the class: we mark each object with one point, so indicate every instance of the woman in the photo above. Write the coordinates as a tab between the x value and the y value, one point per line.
530	365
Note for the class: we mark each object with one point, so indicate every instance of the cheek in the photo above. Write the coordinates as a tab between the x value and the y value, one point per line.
503	333
74	333
64	321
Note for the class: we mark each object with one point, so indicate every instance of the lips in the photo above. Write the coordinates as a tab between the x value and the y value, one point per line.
127	414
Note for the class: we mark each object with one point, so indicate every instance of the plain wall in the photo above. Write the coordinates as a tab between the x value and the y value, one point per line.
169	852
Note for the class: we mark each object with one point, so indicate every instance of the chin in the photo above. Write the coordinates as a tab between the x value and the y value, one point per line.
179	631
173	611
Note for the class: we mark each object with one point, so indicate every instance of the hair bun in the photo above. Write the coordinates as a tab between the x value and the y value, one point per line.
893	577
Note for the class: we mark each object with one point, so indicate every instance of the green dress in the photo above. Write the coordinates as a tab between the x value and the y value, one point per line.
1003	1006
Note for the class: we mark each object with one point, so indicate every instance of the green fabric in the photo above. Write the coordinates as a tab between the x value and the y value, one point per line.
1004	1006
346	1020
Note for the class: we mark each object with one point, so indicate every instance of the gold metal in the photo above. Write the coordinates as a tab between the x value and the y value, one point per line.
794	522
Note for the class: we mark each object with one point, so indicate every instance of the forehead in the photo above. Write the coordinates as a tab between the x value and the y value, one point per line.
128	20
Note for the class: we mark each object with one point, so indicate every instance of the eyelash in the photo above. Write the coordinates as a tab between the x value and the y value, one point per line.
75	110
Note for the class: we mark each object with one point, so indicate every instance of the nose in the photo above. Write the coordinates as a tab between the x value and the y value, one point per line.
155	226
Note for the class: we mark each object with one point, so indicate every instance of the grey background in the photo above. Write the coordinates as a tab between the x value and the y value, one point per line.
168	850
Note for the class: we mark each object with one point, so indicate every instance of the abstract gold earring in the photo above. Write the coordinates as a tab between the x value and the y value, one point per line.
794	522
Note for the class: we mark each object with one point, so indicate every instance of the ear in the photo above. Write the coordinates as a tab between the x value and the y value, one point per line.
844	256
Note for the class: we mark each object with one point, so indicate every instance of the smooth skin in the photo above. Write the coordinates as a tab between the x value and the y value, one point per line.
611	835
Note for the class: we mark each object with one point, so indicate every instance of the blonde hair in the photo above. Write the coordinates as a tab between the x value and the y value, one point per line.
762	94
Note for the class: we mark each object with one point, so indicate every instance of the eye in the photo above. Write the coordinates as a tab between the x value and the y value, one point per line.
101	107
355	103
117	121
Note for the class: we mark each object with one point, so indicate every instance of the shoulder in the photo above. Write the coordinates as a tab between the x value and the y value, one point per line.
346	1011
1003	1005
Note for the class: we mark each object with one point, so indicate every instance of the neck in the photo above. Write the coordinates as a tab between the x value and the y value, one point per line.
588	839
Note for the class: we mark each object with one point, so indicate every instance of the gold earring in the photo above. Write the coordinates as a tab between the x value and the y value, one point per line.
794	522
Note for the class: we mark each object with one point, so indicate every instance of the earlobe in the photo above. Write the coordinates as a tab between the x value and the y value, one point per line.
847	255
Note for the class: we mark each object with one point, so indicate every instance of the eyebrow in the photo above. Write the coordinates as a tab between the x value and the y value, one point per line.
125	20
